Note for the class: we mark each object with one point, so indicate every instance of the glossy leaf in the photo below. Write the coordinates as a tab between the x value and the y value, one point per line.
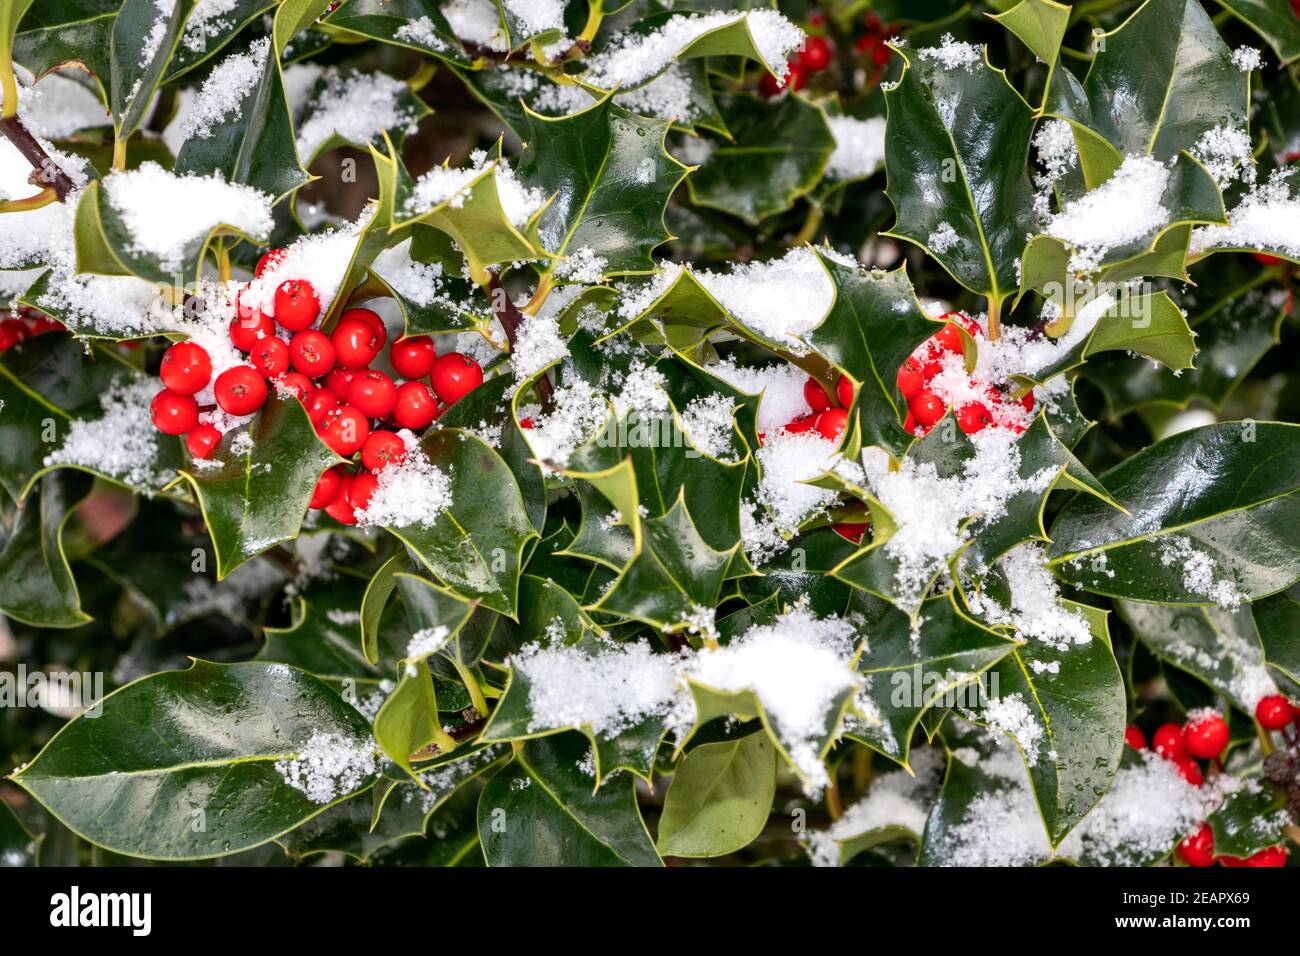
719	798
36	584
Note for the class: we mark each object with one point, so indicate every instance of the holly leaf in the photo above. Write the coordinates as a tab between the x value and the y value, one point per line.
141	795
17	846
255	494
1277	619
1275	22
956	155
775	153
1220	647
55	33
206	32
414	24
1220	541
253	141
539	810
1249	820
719	799
322	634
36	584
474	547
144	39
1157	82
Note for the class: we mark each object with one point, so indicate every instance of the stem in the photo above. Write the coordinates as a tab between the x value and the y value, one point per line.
1265	739
119	153
476	697
511	318
223	261
8	84
834	806
811	224
539	295
595	14
47	169
420	78
995	319
27	204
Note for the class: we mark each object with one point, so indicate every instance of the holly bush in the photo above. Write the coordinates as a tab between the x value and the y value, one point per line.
443	432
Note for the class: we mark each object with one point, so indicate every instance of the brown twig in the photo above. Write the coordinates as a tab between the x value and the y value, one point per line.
47	169
511	318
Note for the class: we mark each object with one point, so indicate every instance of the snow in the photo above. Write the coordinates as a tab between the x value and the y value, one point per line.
581	265
330	766
1011	715
580	411
357	107
1226	152
1058	154
642	392
122	442
1036	610
1124	209
1265	218
148	198
859	147
943	239
780	385
222	95
420	32
631	58
667	96
787	460
1247	58
529	18
1001	826
59	106
153	40
538	345
477	22
412	492
207	22
1201	575
321	258
636	299
929	510
952	54
443	184
425	643
781	299
710	421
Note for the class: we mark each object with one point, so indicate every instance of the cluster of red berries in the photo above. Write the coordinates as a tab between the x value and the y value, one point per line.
814	56
872	43
24	325
925	408
348	402
1204	736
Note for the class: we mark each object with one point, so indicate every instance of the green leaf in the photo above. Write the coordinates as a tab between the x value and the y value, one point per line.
1157	82
1040	25
776	152
1220	647
611	180
143	794
143	43
55	33
956	155
874	325
1249	820
474	547
17	846
1186	540
907	676
257	497
203	37
322	635
1275	22
253	142
401	23
719	799
36	584
407	725
1278	621
540	811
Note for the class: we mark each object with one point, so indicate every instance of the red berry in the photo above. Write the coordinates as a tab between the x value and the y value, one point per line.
297	383
881	54
338	380
815	395
796	75
413	357
372	319
247	331
866	43
927	408
173	413
11	333
202	439
1191	771
454	376
816	54
1168	742
355	342
361	489
1269	857
381	449
844	390
296	304
270	357
415	407
1263	258
801	425
850	530
909	379
527	423
240	390
830	423
973	417
948	338
344	430
340	509
311	353
1198	849
1273	712
269	260
909	423
319	404
1205	736
185	368
372	393
1134	737
327	488
1027	401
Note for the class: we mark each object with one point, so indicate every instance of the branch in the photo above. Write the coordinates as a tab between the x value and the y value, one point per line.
511	318
27	144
